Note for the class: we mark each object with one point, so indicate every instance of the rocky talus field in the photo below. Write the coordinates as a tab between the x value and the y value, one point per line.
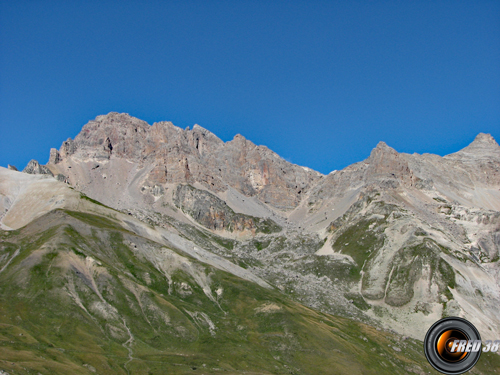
150	249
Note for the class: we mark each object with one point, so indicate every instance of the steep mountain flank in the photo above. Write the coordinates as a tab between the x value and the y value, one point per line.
87	293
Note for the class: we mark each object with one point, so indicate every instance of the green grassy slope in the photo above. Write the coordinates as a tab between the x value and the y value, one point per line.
81	295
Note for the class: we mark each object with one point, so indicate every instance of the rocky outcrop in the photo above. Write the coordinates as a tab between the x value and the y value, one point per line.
213	213
55	157
62	178
11	167
67	148
34	167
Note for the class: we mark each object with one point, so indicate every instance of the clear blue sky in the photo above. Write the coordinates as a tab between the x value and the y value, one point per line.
319	82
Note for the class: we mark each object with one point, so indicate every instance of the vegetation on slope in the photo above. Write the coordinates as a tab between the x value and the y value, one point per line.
81	297
80	294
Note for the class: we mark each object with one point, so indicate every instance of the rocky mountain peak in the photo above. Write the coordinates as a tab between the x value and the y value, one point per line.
118	119
386	163
201	129
484	145
202	136
484	140
381	153
382	145
239	138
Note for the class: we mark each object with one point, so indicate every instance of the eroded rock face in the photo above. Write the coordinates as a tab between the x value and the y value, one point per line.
213	213
173	155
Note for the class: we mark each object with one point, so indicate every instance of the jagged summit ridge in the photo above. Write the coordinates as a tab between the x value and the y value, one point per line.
162	154
120	129
170	155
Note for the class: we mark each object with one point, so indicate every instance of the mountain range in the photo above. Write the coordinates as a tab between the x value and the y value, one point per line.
151	249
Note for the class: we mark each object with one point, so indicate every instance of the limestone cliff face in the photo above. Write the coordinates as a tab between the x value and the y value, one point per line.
172	155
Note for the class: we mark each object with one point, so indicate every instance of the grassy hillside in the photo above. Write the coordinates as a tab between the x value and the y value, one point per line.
81	295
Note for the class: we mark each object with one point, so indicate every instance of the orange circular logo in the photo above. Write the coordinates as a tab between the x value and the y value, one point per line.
445	347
